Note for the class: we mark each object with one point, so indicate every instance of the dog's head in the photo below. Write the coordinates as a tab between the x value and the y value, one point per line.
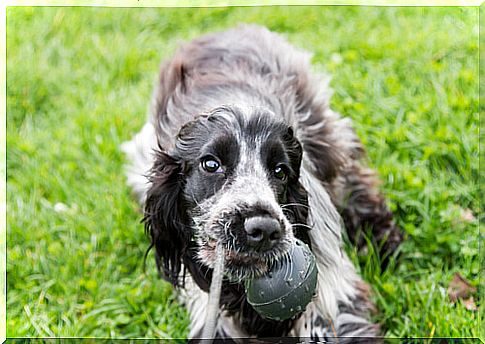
231	179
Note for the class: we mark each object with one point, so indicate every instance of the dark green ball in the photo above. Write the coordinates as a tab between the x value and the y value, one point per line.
288	286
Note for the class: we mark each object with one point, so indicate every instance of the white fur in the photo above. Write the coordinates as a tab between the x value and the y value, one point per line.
139	152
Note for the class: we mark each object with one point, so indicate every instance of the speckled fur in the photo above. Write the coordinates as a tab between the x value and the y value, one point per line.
251	68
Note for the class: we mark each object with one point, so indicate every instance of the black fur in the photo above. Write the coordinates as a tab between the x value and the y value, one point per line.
165	217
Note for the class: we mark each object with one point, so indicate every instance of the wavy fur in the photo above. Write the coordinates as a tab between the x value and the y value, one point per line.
249	96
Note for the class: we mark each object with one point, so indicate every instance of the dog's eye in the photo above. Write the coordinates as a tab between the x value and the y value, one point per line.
280	172
211	165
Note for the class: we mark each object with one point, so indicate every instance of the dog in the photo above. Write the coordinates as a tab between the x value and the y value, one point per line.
241	148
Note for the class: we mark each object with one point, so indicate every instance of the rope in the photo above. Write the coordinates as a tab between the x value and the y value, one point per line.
211	316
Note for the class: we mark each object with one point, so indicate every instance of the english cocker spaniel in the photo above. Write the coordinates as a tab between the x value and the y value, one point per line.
241	149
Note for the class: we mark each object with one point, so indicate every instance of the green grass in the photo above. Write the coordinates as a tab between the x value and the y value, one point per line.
79	82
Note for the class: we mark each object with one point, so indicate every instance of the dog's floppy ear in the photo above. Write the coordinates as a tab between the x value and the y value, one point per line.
165	219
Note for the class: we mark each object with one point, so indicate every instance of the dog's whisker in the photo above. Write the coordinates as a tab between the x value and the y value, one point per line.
294	204
289	211
293	225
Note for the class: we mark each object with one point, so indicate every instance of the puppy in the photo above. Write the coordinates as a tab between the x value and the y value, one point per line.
241	149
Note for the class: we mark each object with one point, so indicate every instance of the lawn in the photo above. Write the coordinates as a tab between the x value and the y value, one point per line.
78	84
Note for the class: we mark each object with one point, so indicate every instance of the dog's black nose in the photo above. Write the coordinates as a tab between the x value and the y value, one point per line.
263	232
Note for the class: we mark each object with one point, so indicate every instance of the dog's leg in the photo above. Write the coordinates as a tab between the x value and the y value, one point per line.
364	210
350	325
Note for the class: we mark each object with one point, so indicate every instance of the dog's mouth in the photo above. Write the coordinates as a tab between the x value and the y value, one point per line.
252	239
240	266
